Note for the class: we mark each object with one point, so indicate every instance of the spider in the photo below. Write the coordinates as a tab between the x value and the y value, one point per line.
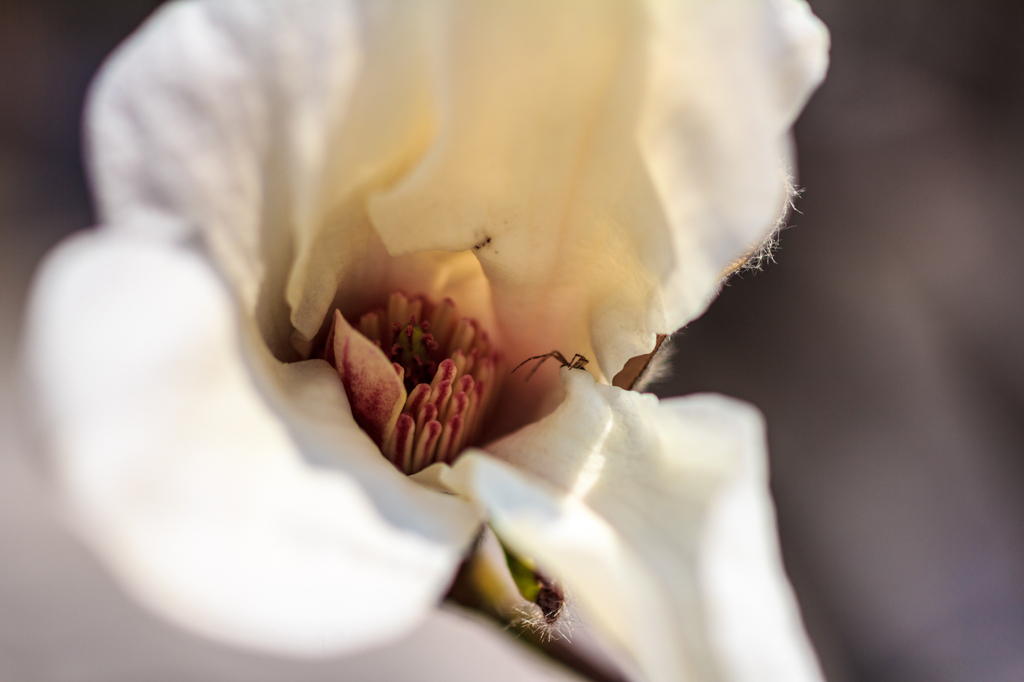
578	362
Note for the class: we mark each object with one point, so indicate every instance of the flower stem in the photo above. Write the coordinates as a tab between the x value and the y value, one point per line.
474	589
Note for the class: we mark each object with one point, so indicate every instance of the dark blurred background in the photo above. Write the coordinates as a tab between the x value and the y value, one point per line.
885	346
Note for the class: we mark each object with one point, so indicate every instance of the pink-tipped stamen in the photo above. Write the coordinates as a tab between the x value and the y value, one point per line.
448	368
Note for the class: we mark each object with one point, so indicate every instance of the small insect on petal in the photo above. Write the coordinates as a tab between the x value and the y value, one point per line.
578	362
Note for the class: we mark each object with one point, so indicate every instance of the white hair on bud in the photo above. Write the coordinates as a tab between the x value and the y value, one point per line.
529	617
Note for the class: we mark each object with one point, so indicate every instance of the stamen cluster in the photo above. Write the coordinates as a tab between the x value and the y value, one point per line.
448	369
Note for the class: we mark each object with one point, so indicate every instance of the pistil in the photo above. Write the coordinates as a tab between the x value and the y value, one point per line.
420	378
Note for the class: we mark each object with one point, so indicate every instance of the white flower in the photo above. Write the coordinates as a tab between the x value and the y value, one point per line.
576	175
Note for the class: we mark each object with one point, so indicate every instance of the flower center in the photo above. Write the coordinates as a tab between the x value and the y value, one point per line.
420	378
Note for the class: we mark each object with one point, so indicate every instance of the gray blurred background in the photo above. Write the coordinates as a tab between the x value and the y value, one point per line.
885	346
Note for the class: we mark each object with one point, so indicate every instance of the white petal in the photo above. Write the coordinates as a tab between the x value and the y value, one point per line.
657	518
176	137
605	162
261	127
753	618
726	83
199	495
609	160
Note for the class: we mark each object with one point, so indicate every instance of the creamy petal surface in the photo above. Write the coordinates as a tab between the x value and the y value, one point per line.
604	162
658	519
577	175
607	161
196	492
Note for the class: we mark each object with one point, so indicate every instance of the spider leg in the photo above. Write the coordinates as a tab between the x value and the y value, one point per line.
537	366
542	358
557	355
577	362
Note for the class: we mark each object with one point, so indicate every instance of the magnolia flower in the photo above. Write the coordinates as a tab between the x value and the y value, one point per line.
572	176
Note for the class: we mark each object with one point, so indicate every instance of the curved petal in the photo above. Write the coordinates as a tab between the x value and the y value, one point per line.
215	119
658	519
261	127
195	491
605	162
727	81
752	616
